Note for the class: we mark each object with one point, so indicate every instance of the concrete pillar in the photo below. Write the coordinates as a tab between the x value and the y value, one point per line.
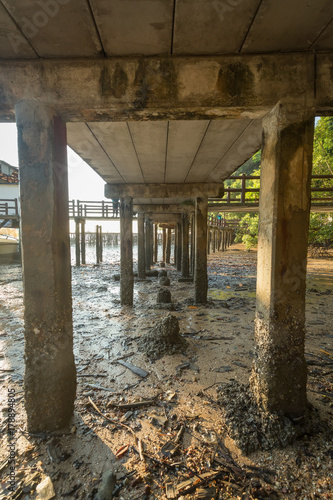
77	243
141	246
192	244
179	246
50	378
147	243
164	243
168	246
155	243
200	275
83	241
208	240
126	251
185	246
214	241
279	375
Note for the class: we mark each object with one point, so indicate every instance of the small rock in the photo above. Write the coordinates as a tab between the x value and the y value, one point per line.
163	296
107	486
45	490
163	273
164	281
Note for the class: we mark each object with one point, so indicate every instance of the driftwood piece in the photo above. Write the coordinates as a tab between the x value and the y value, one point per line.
133	368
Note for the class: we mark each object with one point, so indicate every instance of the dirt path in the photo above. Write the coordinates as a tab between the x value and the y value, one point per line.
219	348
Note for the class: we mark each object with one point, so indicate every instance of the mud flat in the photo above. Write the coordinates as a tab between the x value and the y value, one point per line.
153	428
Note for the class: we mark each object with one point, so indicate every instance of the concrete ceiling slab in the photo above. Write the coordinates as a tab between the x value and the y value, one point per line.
12	41
171	152
56	29
325	39
150	141
287	25
184	141
212	27
219	135
243	148
129	27
84	143
116	140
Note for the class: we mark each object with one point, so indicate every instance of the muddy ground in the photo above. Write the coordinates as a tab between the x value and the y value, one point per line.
129	444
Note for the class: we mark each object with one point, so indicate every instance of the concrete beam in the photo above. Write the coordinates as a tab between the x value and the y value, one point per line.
163	209
165	218
166	87
190	190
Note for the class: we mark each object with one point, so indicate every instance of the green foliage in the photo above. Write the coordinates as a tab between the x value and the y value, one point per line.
247	232
321	230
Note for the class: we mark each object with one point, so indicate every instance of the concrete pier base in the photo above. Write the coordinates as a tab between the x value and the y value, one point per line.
279	375
50	379
126	252
200	274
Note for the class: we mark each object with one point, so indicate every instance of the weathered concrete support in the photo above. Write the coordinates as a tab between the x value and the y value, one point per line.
147	243
77	243
50	379
185	246
99	244
192	244
200	275
141	246
279	375
126	251
179	246
168	246
83	241
214	241
155	243
164	244
208	240
151	242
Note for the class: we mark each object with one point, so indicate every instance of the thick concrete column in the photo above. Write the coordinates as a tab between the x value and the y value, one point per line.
214	241
168	246
200	275
155	243
179	246
50	379
185	246
141	246
279	375
126	251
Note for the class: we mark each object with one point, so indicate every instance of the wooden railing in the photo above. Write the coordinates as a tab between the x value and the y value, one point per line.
9	209
234	197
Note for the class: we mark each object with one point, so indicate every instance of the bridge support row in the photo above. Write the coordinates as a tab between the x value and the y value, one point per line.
279	375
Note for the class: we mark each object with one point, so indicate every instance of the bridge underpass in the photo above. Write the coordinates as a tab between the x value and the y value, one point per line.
165	109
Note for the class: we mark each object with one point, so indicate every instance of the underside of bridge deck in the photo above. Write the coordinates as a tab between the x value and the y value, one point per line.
164	100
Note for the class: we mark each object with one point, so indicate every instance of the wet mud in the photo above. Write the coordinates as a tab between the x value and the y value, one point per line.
181	388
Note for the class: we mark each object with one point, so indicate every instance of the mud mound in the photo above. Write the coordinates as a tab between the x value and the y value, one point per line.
253	428
164	338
